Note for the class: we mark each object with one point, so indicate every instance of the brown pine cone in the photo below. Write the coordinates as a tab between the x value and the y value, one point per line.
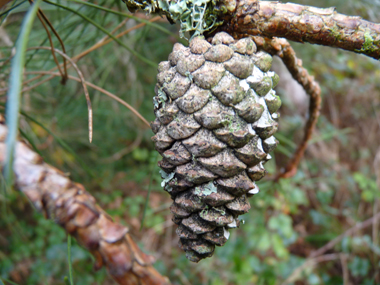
215	119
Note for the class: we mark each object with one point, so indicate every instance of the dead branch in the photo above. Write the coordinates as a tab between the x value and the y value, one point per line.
282	49
311	262
302	24
73	208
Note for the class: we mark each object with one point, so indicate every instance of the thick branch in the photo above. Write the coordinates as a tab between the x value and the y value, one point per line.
70	206
303	24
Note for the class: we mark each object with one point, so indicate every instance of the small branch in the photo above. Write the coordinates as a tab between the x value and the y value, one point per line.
345	271
311	262
73	208
64	78
335	241
282	49
302	24
41	18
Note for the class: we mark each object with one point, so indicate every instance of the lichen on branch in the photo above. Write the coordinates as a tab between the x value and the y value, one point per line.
195	17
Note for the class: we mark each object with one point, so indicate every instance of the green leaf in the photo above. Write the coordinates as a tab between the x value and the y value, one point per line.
69	259
278	247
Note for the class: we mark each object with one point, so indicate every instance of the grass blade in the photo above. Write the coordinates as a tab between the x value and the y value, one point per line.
69	259
8	281
15	86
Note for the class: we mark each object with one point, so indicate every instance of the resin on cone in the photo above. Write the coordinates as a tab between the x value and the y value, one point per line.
216	113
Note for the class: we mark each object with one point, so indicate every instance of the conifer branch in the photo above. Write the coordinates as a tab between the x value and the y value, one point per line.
73	208
302	24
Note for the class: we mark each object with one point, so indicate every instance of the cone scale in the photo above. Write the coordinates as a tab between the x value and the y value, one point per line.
216	113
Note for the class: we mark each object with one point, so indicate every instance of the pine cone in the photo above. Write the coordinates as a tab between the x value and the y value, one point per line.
215	119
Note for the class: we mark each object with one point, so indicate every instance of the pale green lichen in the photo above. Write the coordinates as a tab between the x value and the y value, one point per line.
162	98
166	177
208	189
189	75
195	16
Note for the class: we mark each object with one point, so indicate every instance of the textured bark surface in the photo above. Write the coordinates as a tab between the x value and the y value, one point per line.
302	24
70	206
282	49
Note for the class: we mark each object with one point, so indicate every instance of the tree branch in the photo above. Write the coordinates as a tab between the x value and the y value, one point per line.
302	24
70	206
283	49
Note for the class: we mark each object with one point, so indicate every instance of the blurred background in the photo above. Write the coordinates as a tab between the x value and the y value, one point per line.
334	190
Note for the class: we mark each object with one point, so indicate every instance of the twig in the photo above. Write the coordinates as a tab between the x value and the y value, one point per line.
309	263
73	208
357	227
25	89
102	43
282	48
118	155
83	81
109	94
40	17
346	276
61	43
122	23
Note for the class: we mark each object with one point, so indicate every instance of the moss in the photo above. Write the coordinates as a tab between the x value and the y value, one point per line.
335	32
368	45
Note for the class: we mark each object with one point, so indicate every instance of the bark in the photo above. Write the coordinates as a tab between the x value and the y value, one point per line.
70	206
302	24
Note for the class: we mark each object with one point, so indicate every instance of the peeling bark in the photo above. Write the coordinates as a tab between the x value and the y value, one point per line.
70	206
302	24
